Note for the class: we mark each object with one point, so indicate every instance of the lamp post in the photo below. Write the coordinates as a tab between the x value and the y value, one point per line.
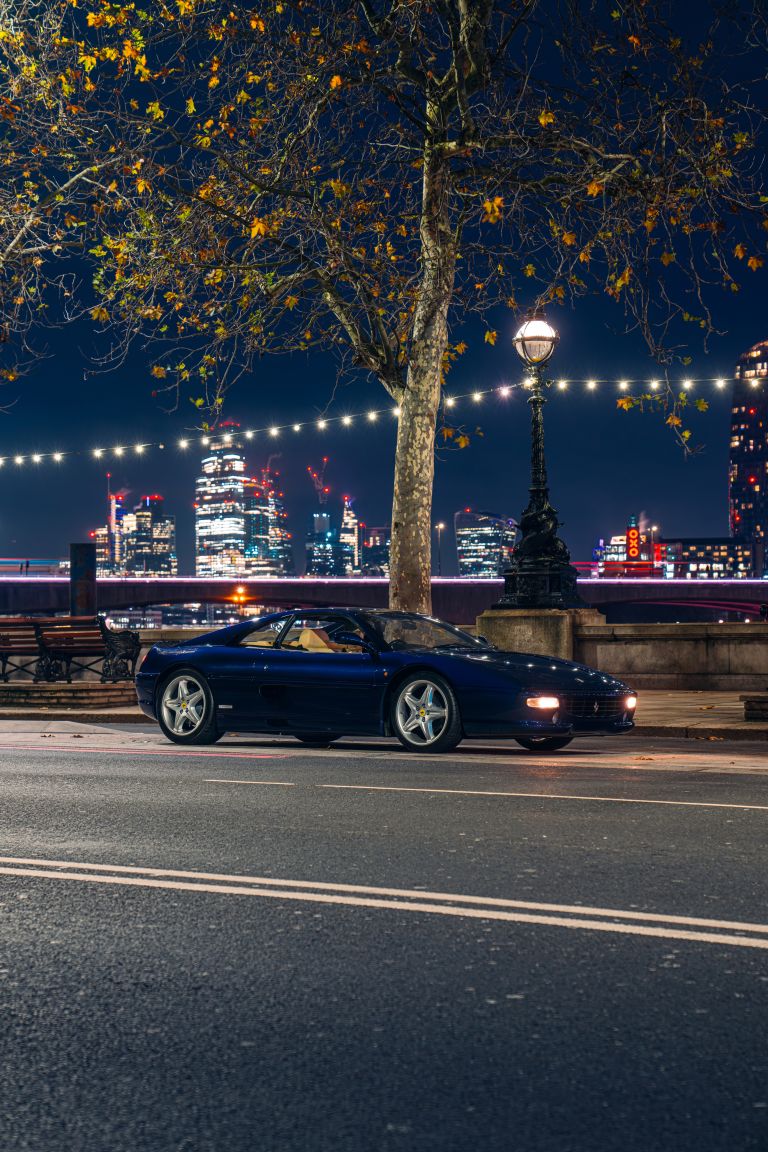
540	573
439	529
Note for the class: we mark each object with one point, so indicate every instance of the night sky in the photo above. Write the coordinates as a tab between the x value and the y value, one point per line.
604	464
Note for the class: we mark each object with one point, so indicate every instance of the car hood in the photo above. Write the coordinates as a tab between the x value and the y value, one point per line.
546	671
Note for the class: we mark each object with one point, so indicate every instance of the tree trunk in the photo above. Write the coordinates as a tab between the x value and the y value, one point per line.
410	588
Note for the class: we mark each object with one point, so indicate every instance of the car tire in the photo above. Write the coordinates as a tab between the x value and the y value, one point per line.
316	739
424	714
543	743
185	708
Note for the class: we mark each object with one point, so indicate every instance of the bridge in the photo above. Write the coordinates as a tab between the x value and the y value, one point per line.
453	599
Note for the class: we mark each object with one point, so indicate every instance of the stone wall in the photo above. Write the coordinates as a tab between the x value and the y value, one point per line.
703	657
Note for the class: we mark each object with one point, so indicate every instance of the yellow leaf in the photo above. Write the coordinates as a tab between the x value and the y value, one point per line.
529	270
569	238
99	314
462	441
594	188
674	421
461	349
491	336
754	263
257	24
492	210
740	251
546	117
259	228
623	280
667	258
291	302
447	433
336	81
626	403
635	42
159	371
190	106
142	185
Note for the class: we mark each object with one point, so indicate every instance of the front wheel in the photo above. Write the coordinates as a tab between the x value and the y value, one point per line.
425	714
543	743
186	712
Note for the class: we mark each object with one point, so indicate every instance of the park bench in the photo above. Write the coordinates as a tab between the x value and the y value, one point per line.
19	649
80	643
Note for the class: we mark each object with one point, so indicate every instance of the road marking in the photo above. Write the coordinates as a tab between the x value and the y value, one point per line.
185	752
277	783
405	899
540	796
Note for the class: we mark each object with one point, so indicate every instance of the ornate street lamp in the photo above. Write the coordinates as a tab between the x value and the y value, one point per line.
540	573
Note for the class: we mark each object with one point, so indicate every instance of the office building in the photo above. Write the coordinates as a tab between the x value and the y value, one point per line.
137	543
220	512
349	539
484	542
748	462
374	552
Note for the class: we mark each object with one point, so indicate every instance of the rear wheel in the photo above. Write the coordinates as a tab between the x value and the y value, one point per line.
425	714
316	739
186	711
544	743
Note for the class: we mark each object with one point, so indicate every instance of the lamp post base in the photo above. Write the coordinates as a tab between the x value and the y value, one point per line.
540	582
541	631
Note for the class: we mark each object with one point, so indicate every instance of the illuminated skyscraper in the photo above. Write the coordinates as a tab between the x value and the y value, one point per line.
280	541
137	542
349	539
325	556
220	513
375	550
484	542
748	465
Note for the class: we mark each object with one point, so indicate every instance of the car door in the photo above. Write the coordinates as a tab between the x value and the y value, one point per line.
311	683
235	678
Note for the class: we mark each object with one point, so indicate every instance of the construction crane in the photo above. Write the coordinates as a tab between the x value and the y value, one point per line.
318	481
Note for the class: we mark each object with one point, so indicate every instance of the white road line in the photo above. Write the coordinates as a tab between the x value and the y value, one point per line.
540	796
727	940
277	783
20	863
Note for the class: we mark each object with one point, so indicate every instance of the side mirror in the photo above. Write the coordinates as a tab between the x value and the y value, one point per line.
352	640
482	640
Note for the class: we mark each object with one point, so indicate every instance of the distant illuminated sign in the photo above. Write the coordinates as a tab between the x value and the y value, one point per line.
633	543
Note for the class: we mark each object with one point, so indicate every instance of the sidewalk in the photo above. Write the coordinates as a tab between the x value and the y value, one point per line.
678	715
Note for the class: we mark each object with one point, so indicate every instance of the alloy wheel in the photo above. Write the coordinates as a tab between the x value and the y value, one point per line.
422	712
183	705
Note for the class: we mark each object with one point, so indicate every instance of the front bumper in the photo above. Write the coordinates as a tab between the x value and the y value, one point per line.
486	714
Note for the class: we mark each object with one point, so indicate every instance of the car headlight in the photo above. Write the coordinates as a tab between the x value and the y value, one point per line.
545	703
630	703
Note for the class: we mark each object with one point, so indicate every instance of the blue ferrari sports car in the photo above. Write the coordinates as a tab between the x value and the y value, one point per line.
318	675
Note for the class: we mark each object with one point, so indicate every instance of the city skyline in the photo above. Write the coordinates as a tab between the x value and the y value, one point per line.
586	437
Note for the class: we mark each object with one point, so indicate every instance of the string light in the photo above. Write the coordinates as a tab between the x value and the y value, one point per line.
347	420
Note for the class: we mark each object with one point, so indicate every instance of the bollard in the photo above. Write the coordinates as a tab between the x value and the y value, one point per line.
82	579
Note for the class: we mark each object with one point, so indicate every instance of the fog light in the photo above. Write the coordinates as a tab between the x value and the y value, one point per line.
630	703
547	703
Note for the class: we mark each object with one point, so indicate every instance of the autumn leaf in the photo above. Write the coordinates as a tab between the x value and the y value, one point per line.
594	188
258	227
291	302
462	441
158	371
740	251
190	107
336	81
492	210
674	421
142	185
569	238
461	348
701	405
529	270
623	280
258	24
755	262
99	314
635	42
667	258
546	117
448	433
491	336
625	403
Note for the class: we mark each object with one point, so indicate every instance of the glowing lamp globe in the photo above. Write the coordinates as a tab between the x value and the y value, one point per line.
535	340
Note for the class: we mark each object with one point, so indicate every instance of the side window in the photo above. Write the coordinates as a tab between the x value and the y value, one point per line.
264	635
317	634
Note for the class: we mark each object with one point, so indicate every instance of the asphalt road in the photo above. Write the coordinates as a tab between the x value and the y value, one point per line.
260	947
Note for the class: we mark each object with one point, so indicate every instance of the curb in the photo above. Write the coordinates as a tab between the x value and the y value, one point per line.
681	732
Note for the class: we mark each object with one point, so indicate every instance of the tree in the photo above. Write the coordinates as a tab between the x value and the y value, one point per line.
47	185
365	174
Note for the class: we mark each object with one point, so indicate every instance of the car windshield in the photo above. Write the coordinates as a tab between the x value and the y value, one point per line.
401	630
